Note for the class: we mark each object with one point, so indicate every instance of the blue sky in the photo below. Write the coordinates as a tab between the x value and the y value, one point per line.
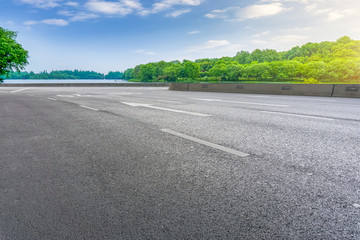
113	35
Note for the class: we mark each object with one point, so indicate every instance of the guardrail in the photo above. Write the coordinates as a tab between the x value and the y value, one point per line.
324	90
135	84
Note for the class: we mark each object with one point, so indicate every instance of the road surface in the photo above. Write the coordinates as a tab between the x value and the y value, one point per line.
148	163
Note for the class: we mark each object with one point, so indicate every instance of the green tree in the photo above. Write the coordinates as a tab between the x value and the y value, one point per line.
235	71
220	69
172	72
12	56
191	70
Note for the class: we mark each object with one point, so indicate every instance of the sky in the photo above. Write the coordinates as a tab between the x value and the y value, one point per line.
113	35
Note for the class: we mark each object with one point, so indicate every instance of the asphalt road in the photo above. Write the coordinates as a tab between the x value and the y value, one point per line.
148	163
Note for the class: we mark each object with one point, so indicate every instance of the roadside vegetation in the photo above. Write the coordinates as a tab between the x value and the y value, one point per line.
66	74
12	56
312	63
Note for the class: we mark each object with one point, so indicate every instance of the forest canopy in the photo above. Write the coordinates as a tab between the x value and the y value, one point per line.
337	61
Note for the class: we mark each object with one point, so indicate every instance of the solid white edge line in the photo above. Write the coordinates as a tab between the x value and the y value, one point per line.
19	90
94	109
206	143
298	115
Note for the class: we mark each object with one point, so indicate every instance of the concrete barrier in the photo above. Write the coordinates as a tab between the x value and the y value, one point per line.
179	86
135	84
346	90
324	90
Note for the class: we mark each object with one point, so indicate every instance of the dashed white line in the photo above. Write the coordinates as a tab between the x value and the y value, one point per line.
167	101
145	105
206	143
250	103
53	99
299	115
94	109
126	93
69	96
19	90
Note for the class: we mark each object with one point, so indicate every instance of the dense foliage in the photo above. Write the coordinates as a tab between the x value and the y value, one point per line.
337	61
311	63
66	74
12	56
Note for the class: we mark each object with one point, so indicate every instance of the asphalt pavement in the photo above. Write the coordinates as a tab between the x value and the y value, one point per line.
149	163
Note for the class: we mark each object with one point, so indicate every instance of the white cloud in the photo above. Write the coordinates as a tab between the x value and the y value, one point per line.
289	39
296	29
194	32
65	13
72	4
217	13
211	44
215	43
214	48
262	34
142	51
80	16
30	22
54	21
122	7
336	15
258	11
169	4
42	3
249	12
57	22
83	16
177	13
259	42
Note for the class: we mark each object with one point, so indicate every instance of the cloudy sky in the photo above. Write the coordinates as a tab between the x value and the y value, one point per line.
112	35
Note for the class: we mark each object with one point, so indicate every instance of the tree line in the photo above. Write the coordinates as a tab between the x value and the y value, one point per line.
65	74
337	61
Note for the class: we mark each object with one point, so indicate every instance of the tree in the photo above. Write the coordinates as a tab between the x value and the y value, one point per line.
12	56
172	72
219	70
191	70
235	71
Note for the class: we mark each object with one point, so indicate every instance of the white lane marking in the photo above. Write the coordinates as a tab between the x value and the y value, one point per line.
203	142
302	98
19	90
309	99
251	103
69	96
356	205
52	99
167	101
298	115
165	109
126	93
94	109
